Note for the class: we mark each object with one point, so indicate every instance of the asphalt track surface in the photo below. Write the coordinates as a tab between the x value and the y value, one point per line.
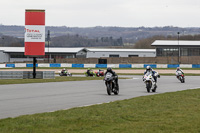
22	99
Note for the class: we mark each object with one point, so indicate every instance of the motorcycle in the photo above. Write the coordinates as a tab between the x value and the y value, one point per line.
180	76
65	73
100	73
90	74
150	82
111	85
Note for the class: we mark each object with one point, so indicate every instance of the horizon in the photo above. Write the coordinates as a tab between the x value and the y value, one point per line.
110	26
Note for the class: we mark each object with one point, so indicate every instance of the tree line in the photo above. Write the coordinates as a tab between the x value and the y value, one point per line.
82	41
65	41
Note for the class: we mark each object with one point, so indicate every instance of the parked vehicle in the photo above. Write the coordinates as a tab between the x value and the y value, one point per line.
150	82
111	85
100	73
180	76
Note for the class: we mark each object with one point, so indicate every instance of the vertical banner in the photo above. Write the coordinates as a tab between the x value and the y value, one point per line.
34	33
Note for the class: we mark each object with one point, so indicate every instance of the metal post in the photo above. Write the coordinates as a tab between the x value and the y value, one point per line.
48	38
34	67
179	53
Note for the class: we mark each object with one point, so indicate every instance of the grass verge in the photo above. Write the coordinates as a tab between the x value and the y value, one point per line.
169	112
57	79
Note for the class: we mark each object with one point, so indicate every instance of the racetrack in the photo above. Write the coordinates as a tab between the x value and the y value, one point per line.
21	99
118	71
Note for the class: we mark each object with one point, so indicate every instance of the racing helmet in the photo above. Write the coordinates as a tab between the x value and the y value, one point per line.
178	68
109	69
148	68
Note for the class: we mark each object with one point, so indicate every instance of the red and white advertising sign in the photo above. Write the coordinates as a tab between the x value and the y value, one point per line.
34	33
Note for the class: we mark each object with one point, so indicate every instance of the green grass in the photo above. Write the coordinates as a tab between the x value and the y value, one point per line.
162	113
57	79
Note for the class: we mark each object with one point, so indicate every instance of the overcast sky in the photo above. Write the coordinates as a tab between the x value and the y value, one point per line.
90	13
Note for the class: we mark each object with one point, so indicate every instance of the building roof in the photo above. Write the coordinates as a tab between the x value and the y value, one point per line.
120	50
52	50
175	43
73	50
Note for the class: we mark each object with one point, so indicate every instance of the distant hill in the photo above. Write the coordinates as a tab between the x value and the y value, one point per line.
97	36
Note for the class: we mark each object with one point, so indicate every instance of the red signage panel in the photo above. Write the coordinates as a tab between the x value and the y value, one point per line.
34	33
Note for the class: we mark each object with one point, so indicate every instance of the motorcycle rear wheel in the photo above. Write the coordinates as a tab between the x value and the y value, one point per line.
154	89
116	92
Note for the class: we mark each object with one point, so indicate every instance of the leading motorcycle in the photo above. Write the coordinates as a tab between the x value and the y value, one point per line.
111	85
150	82
180	76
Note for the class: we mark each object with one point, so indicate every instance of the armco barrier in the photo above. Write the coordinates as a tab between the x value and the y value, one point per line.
173	65
89	65
43	65
10	65
125	65
26	75
113	65
78	65
151	65
55	65
161	65
20	65
11	74
137	65
66	65
2	65
186	65
31	65
100	65
196	66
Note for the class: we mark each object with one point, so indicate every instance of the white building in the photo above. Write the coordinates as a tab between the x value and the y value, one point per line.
16	54
97	53
177	48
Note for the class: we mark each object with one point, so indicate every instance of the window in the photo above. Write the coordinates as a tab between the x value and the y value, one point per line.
132	55
193	52
17	55
114	55
184	52
167	51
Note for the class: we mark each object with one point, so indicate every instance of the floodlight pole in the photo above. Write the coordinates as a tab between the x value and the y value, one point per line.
178	49
34	67
48	39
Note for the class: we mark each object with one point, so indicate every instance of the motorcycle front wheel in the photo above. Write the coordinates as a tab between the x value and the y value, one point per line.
109	88
148	86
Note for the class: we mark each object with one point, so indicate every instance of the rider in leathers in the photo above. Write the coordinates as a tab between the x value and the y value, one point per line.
114	74
149	69
178	69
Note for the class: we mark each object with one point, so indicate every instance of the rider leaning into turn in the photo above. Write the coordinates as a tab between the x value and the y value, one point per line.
179	69
109	70
64	71
149	69
89	70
